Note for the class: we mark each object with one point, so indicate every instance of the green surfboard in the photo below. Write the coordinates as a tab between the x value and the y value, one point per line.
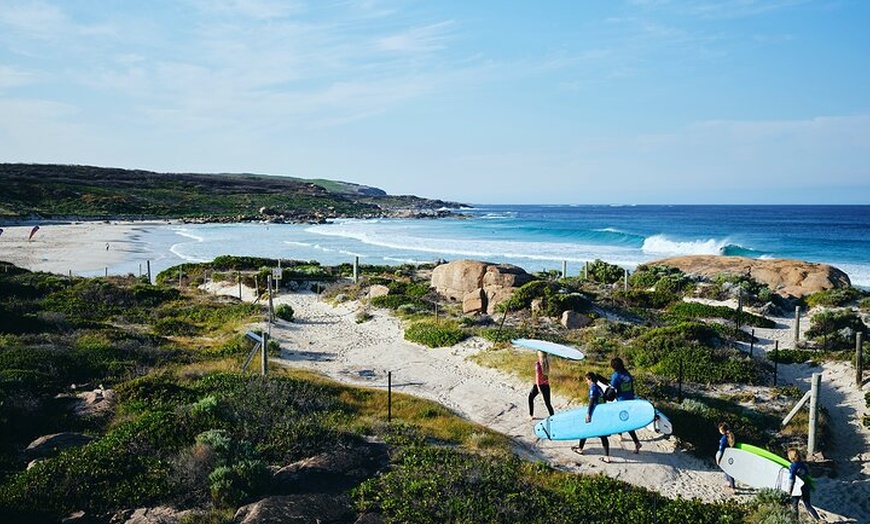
761	452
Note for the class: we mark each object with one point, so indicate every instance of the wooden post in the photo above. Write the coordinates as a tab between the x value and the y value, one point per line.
263	353
256	287
585	270
107	272
775	360
271	309
355	269
797	325
140	269
739	310
859	359
625	281
814	412
148	262
389	396
564	268
680	381
180	272
752	342
239	278
70	272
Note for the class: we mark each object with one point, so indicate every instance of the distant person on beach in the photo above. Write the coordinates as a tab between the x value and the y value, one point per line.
596	396
623	383
799	468
542	384
726	441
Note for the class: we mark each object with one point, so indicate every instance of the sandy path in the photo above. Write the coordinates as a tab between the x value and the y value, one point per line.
328	340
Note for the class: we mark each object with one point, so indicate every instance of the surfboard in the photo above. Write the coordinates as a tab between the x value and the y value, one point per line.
661	424
782	461
560	350
757	471
607	419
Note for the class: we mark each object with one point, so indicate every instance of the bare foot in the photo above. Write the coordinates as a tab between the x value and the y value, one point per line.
605	459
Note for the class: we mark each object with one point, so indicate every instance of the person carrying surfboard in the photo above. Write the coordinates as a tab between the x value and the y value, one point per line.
726	441
542	384
799	468
623	383
596	396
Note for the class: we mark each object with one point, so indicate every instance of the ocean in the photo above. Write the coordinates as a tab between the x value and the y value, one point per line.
537	237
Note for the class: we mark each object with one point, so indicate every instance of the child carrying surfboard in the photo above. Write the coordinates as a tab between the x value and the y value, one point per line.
726	441
623	383
596	396
799	468
541	385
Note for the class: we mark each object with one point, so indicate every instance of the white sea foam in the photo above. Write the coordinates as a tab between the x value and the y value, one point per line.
662	245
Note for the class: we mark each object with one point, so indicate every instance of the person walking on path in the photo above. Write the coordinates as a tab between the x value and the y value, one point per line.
726	441
799	468
542	384
623	383
595	397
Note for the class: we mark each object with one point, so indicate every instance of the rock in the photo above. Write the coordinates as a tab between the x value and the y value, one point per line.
48	445
574	320
306	508
338	470
156	515
94	402
378	290
788	278
474	301
496	282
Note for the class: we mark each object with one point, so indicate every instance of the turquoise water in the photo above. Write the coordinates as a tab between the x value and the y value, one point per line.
537	237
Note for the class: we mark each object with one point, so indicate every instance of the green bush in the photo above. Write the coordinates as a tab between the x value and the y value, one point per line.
396	302
833	328
238	483
435	334
833	297
605	273
694	310
284	312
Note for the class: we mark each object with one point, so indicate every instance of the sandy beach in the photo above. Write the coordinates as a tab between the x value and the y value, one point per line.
80	248
327	339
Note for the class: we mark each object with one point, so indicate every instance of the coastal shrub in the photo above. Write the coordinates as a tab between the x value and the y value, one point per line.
238	483
651	346
835	328
696	421
395	302
554	299
792	356
833	297
694	310
435	485
284	312
864	304
604	272
503	334
670	278
644	298
435	334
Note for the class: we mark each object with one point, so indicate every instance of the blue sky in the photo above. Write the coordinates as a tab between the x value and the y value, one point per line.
580	101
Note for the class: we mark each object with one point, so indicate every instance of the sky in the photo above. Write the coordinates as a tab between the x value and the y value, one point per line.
477	101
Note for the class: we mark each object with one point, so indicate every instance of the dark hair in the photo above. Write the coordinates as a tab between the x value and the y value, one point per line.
617	364
591	375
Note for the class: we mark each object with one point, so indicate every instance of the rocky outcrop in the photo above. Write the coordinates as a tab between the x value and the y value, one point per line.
480	286
788	278
313	508
48	445
158	515
333	471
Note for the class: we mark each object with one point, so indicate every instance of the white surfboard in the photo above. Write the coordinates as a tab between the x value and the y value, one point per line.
560	350
757	471
661	424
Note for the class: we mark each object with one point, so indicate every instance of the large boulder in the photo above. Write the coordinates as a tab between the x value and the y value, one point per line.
465	280
305	508
788	278
49	445
334	471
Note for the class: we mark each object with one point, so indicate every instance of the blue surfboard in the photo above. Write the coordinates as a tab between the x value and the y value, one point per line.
607	419
552	348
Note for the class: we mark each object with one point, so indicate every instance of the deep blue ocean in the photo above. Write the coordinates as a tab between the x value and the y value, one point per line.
538	237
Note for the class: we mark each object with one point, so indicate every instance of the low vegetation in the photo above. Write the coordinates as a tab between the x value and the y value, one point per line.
190	430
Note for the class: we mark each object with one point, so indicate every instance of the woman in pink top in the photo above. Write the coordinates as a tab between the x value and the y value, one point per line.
542	384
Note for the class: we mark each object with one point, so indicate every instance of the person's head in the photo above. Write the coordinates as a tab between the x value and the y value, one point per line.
617	364
794	454
544	359
724	428
590	377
